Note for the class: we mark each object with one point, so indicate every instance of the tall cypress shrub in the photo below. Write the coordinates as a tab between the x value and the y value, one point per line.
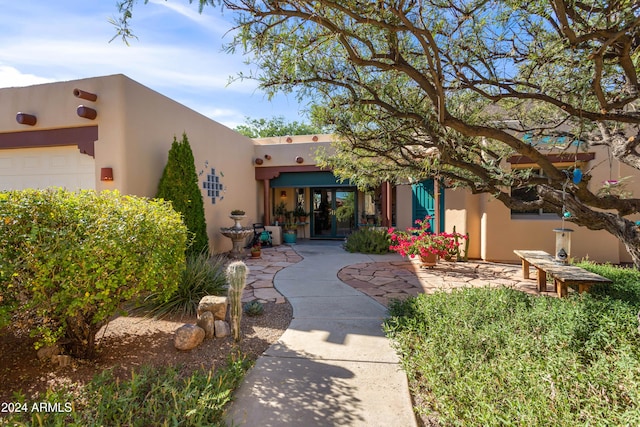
179	184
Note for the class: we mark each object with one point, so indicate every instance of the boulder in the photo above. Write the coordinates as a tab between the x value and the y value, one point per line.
188	337
222	329
205	321
215	304
48	352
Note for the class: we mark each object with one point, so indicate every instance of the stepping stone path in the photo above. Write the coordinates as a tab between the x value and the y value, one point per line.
262	271
385	281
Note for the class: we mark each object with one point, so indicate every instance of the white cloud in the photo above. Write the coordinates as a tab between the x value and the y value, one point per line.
12	77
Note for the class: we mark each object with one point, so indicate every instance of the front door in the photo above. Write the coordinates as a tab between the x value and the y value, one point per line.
334	212
424	203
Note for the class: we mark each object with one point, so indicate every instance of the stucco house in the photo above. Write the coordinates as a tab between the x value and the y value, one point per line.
113	133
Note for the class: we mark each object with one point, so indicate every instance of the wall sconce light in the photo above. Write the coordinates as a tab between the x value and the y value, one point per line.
26	119
283	193
86	112
258	161
106	174
299	159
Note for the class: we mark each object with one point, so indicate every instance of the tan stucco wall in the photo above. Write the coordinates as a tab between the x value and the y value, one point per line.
135	128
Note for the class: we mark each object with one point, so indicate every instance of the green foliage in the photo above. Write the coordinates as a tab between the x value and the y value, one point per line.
501	357
276	126
368	241
69	260
625	286
203	276
254	308
152	396
237	277
179	184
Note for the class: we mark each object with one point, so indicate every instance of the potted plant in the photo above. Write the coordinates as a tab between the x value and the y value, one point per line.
280	212
300	214
237	212
290	229
256	250
418	241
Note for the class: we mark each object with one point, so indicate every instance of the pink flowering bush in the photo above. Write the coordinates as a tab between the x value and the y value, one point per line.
420	241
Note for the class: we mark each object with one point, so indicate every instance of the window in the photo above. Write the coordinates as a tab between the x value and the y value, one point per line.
529	194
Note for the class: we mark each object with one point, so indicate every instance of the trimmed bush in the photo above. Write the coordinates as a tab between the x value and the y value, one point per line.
179	184
203	276
69	260
368	241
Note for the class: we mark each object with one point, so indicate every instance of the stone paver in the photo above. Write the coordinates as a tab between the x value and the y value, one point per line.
388	280
263	270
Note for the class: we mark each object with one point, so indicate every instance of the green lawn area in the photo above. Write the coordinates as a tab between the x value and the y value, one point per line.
483	357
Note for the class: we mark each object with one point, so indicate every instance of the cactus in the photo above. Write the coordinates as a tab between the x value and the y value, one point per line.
466	248
254	308
237	277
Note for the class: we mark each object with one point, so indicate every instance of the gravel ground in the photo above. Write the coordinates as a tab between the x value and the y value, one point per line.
126	343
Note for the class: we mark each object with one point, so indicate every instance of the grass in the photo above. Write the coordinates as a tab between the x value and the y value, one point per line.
203	276
482	357
151	397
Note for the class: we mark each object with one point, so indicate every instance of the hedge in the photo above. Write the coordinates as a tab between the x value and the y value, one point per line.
68	260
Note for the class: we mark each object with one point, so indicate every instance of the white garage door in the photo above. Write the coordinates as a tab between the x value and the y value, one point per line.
65	167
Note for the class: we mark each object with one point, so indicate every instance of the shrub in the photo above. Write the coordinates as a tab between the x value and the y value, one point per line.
203	276
69	260
179	184
368	241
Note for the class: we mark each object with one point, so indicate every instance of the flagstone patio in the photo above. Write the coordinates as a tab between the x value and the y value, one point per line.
387	280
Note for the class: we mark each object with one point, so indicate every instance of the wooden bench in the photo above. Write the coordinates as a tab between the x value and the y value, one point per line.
563	275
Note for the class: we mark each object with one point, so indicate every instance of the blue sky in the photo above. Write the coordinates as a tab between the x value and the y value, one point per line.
178	53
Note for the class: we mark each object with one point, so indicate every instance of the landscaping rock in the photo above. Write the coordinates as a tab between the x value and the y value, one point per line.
205	321
48	352
61	359
222	329
215	304
188	337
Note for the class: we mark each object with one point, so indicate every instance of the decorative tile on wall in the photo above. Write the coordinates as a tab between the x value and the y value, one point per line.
213	185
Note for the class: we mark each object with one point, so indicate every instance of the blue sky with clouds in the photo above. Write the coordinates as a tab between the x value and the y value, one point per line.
178	53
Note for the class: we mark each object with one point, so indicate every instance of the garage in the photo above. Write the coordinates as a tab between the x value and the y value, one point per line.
41	167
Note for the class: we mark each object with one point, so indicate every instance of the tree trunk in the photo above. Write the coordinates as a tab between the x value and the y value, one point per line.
81	336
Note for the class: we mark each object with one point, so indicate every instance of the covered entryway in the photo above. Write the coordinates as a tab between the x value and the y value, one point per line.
43	167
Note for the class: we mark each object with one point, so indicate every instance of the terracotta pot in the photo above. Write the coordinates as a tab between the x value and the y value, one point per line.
255	254
429	261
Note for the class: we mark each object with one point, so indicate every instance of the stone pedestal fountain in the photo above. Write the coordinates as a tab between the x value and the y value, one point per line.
238	235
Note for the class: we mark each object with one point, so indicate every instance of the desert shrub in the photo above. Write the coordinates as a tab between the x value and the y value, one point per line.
625	286
203	276
151	396
69	260
501	357
179	184
368	241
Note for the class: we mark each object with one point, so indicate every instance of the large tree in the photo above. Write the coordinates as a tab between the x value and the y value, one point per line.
275	126
449	88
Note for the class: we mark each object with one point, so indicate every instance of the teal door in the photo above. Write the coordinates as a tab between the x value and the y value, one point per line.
424	202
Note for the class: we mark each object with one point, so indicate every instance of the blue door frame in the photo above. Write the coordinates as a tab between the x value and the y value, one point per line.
423	203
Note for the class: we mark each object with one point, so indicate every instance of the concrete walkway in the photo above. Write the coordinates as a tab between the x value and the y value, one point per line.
333	366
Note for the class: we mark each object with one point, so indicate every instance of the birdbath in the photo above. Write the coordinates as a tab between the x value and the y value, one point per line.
238	234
